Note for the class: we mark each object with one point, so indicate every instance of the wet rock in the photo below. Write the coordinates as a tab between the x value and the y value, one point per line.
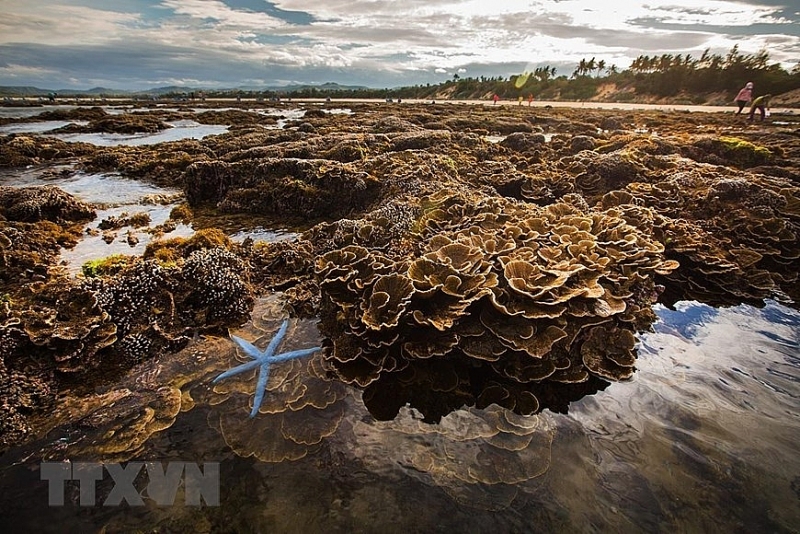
282	187
581	142
128	123
32	204
522	142
306	127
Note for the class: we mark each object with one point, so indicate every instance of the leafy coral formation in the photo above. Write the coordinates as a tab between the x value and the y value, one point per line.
514	288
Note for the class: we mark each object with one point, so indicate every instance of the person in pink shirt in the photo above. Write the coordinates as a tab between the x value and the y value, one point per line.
745	95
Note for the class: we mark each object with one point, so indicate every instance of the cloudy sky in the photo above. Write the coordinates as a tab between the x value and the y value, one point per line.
138	44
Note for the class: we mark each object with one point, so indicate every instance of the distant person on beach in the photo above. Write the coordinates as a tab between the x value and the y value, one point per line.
745	95
519	100
761	104
530	99
495	98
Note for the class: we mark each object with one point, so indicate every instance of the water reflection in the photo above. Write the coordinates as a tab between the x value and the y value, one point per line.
710	420
23	112
109	189
127	240
37	127
259	233
116	196
184	129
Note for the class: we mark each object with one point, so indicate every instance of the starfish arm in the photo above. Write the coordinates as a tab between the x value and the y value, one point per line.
261	388
238	369
293	354
250	349
273	344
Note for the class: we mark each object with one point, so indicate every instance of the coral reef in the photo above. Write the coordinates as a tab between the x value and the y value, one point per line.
500	259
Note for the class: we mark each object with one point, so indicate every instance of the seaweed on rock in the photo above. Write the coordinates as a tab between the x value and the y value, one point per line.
286	187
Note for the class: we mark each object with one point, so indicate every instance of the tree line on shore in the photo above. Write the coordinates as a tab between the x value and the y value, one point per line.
666	76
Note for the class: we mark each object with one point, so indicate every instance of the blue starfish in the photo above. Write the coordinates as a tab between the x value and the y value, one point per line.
262	360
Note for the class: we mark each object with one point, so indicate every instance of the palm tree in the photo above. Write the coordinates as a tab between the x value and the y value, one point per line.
581	70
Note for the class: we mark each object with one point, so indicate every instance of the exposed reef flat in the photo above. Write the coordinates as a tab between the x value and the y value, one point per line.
454	255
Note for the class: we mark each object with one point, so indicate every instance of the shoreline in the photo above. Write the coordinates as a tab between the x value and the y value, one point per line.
622	106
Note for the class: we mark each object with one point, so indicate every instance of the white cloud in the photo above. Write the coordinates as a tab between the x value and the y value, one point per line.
12	71
28	22
391	36
213	9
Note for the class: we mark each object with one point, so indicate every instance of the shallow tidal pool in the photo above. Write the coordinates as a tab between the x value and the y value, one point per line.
701	439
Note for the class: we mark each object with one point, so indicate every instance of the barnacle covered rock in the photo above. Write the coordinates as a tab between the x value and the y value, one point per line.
215	289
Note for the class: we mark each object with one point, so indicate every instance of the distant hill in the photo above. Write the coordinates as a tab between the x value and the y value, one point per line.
92	91
294	88
22	91
30	91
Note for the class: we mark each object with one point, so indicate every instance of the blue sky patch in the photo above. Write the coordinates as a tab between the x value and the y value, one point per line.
261	6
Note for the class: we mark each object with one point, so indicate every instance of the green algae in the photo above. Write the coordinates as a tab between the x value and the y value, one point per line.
106	266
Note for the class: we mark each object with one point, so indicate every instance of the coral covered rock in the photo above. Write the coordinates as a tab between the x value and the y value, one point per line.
514	288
